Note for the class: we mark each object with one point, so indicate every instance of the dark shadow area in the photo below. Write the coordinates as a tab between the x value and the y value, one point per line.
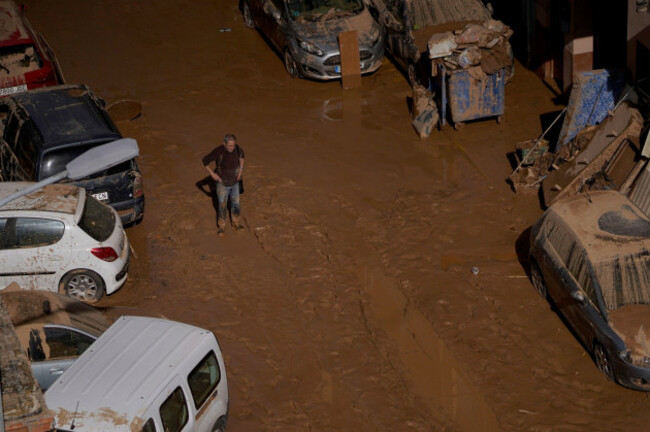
209	188
513	160
546	120
522	246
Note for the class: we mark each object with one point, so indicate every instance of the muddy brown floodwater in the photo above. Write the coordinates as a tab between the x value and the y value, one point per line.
348	302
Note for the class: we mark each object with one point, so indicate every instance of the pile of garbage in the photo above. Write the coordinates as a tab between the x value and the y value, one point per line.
479	48
603	144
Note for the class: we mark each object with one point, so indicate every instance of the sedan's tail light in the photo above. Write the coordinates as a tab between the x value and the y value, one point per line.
138	191
105	253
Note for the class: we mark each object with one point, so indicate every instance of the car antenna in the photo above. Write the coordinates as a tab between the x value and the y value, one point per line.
74	416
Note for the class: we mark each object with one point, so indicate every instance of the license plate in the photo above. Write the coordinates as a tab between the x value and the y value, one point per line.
337	69
12	90
102	196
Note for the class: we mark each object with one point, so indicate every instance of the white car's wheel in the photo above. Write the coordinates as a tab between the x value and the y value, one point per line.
84	285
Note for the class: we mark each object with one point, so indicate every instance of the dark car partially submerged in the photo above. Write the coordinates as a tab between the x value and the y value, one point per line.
590	255
44	129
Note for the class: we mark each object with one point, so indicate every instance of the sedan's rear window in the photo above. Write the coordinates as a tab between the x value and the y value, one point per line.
97	220
16	60
625	280
54	162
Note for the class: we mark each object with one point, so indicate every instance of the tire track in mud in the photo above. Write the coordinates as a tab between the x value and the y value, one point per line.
327	295
342	243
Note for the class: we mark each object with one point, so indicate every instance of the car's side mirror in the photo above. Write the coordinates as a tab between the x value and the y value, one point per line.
578	296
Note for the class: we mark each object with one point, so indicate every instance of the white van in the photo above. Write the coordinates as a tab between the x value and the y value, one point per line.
144	375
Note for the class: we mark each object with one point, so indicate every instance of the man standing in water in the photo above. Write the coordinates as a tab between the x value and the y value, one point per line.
229	159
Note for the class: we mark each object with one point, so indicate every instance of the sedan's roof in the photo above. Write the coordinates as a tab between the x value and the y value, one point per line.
67	114
606	223
60	198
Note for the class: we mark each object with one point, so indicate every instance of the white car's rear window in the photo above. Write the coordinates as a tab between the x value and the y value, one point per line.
97	220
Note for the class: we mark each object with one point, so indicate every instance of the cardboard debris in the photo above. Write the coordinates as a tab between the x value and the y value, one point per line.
441	45
483	44
425	112
350	61
573	175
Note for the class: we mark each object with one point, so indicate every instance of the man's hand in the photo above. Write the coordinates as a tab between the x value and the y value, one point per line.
216	177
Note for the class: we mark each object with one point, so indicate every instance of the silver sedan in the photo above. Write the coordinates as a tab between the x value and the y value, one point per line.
305	32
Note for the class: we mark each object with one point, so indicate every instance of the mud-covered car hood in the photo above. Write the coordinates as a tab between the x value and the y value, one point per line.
325	33
632	324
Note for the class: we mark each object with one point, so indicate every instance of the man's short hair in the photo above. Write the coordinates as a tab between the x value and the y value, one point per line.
229	137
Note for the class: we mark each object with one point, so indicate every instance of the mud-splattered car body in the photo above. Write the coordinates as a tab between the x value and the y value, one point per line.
590	256
26	60
53	330
409	24
306	33
44	129
60	239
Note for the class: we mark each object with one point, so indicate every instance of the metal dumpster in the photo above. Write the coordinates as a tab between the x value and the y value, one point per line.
470	98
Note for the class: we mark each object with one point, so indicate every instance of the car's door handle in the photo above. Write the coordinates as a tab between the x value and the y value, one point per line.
56	371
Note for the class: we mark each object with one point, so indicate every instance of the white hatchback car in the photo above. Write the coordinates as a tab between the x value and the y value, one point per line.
59	238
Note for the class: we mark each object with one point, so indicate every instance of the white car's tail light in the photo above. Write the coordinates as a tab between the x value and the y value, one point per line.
105	253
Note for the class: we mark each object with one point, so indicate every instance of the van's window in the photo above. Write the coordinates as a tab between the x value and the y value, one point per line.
33	232
97	220
204	378
54	161
173	412
149	426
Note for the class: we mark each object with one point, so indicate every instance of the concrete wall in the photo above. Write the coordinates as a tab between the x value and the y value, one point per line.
638	42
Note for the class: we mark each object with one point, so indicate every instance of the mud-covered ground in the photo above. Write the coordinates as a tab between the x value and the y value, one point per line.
348	303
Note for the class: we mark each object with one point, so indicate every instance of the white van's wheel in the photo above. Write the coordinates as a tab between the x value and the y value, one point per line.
84	285
220	425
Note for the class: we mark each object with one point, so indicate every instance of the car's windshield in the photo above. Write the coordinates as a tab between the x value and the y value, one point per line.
625	280
54	162
316	10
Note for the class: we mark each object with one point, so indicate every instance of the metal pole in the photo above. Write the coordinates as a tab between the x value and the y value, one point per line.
538	141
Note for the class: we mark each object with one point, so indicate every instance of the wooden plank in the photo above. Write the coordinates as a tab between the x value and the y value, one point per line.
350	61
